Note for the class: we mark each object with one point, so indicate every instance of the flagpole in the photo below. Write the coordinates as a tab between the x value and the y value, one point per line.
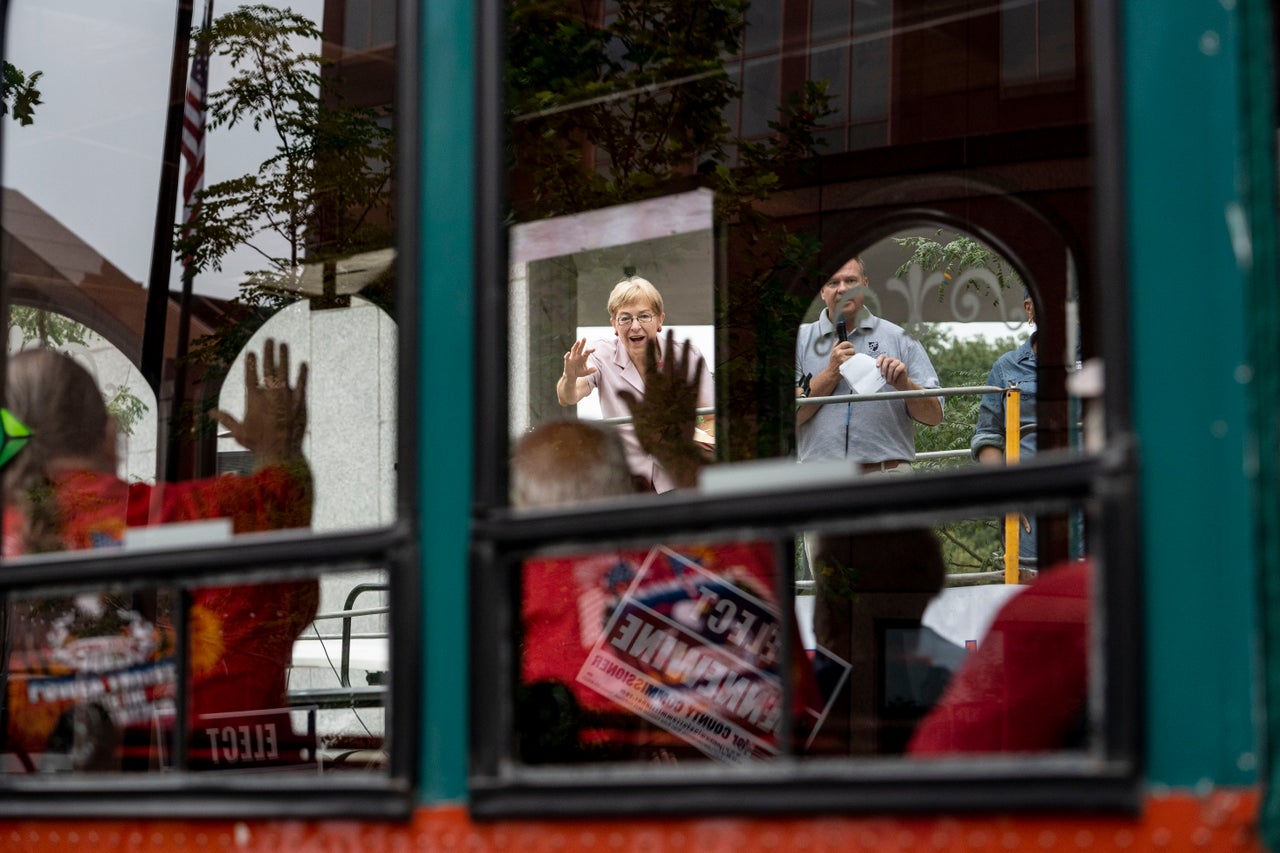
151	361
193	182
151	356
172	469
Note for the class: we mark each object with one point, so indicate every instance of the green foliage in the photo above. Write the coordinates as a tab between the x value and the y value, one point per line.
20	95
54	330
323	193
126	407
794	141
954	259
837	581
647	90
48	328
795	138
969	545
246	314
644	96
331	170
959	362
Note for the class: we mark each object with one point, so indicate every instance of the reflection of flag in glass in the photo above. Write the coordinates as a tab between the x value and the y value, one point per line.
193	113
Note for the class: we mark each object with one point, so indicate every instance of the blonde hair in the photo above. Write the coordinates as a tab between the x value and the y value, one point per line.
60	403
634	289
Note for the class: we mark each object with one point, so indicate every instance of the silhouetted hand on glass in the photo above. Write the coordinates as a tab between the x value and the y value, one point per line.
275	414
665	416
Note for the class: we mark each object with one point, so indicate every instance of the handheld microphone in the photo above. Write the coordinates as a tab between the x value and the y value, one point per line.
842	332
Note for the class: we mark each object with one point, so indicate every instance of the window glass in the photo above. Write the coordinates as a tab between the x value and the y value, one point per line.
1029	643
829	20
683	652
872	59
671	240
289	239
275	679
202	349
759	93
1037	41
764	24
928	287
657	653
883	268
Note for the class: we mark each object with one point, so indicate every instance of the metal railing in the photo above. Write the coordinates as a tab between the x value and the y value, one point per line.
345	695
958	391
1013	442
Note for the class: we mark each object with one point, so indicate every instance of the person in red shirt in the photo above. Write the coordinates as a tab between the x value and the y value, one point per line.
1026	687
62	494
569	601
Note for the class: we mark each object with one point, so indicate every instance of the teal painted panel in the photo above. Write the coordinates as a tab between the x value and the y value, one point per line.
1189	298
1181	89
445	416
1260	182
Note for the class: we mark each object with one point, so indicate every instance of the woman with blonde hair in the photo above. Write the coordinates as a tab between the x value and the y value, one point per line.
618	367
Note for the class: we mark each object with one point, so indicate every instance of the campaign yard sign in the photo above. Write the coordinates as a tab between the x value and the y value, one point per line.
696	654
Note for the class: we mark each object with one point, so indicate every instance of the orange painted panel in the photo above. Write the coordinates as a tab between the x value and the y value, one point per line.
1222	820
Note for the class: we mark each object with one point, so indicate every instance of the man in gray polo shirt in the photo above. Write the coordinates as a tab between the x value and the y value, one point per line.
880	435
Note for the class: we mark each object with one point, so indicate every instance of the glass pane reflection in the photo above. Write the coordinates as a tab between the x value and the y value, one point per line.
672	653
675	653
803	176
939	630
293	240
90	684
143	435
277	680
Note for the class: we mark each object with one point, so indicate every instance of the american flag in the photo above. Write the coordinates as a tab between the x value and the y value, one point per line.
193	126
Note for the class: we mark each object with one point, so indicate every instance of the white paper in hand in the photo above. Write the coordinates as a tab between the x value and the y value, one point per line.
861	373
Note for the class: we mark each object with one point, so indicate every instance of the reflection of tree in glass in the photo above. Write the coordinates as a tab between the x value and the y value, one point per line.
324	192
48	329
19	98
20	95
954	258
633	107
644	92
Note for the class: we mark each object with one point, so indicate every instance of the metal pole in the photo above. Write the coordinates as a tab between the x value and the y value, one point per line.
152	357
1012	445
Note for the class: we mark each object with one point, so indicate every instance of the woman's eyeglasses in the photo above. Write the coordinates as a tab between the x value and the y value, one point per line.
625	320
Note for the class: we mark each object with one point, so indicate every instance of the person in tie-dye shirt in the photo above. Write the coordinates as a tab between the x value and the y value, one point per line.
62	494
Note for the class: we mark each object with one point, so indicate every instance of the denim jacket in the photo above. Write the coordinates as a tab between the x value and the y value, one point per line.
1016	366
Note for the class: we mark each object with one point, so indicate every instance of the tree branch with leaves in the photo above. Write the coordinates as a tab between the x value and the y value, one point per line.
20	96
955	259
331	166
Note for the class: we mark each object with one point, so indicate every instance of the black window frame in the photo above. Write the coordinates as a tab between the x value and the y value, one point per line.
393	548
1107	778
